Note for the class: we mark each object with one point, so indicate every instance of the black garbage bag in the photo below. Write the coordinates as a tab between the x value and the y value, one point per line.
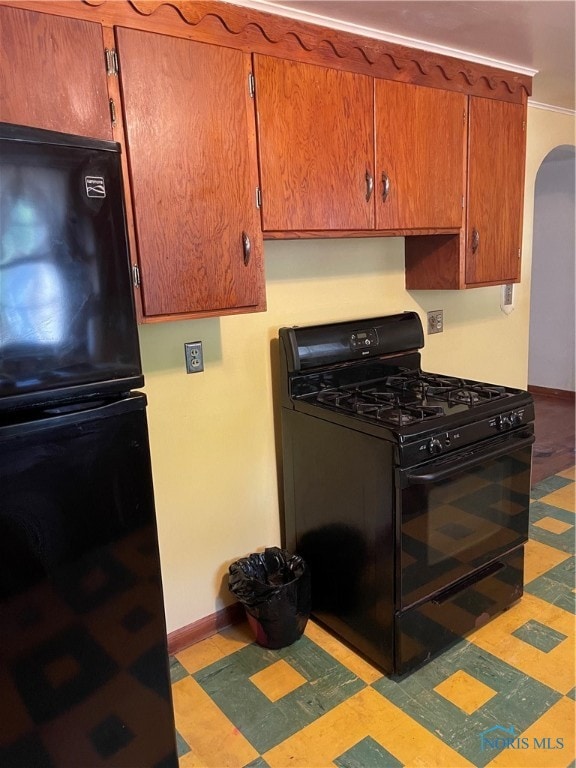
274	588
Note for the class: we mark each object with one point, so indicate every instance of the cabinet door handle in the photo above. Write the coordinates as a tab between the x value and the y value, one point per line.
475	240
246	248
385	187
369	186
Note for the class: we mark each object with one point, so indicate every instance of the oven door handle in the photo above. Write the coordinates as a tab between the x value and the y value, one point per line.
440	471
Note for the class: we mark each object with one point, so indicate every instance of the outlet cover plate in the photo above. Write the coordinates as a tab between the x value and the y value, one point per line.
194	356
436	321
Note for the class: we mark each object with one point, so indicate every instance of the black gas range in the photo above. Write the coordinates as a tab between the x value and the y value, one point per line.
406	491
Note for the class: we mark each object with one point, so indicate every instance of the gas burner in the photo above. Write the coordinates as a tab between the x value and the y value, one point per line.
467	396
397	414
472	395
399	417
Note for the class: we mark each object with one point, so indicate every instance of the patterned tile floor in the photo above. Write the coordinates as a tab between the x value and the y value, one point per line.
505	696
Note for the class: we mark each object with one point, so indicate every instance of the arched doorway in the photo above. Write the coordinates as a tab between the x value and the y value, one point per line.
552	312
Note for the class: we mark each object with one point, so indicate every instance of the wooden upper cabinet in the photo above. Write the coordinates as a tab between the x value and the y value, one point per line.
53	73
318	129
497	145
488	249
316	149
192	158
420	156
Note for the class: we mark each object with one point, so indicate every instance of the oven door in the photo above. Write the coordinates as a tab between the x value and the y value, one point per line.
461	512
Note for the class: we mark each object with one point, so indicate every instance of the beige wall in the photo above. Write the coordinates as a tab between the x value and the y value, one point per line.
212	434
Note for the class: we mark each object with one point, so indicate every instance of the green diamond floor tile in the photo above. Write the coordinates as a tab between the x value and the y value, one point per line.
564	573
367	754
549	485
264	723
563	541
518	702
539	636
556	586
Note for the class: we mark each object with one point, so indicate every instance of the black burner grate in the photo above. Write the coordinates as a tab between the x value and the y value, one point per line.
406	397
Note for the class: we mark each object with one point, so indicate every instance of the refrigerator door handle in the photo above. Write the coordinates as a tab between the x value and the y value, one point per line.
73	413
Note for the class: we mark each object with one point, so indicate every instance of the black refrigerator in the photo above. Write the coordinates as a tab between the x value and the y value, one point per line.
84	678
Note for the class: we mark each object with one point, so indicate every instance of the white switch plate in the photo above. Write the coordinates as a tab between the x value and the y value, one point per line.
507	298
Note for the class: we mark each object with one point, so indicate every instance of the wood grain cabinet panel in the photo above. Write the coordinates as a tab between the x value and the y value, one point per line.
420	156
497	146
315	132
53	73
192	159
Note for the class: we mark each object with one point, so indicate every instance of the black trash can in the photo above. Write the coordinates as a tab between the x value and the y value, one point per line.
274	588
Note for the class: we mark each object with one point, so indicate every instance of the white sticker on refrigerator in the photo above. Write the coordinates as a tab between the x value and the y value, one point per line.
95	186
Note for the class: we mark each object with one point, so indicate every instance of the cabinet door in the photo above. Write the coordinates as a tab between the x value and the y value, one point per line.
497	140
315	134
420	156
53	75
192	159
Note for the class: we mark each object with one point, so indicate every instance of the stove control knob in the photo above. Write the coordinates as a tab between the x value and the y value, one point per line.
434	446
515	419
504	422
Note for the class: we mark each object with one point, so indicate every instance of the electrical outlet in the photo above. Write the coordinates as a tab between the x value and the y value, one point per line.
194	356
436	321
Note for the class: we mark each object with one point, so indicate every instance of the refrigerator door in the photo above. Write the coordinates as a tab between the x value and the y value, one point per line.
83	656
67	319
